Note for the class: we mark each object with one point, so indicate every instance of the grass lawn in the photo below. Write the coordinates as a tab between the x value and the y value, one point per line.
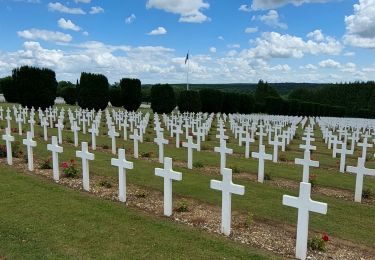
42	220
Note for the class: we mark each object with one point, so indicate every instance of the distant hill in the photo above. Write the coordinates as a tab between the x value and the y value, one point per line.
283	88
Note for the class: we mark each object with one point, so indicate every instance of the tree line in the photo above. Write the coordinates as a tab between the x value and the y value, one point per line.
37	87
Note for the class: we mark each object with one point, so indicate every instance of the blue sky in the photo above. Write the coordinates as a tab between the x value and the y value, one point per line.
229	41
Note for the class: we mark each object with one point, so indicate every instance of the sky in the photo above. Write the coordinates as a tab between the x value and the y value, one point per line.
229	41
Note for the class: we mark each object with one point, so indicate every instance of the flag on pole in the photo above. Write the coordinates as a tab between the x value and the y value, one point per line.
187	57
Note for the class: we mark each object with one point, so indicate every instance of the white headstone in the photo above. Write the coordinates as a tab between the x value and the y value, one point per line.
85	156
228	188
169	175
30	143
304	204
8	142
55	149
190	146
261	156
122	165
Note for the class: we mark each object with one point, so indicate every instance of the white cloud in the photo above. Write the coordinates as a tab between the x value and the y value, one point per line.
130	19
96	10
58	7
309	67
221	38
272	19
349	54
83	1
213	50
234	46
251	29
275	45
68	25
35	34
245	8
28	1
190	11
329	64
271	4
316	35
158	31
360	27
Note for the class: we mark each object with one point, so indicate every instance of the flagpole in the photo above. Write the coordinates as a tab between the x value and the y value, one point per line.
187	72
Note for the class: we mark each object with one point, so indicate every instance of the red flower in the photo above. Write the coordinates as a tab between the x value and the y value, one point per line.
325	237
65	165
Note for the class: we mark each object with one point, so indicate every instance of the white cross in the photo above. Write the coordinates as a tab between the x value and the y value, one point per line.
228	188
261	134
364	146
113	134
161	142
306	162
84	120
60	127
19	120
8	118
169	175
136	138
223	150
32	123
343	152
44	124
304	204
247	139
94	132
75	130
190	146
178	131
55	149
122	165
85	156
261	156
360	170
8	141
200	136
30	143
276	143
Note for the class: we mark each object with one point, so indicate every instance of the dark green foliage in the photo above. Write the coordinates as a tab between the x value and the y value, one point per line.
230	103
69	94
189	101
211	100
131	93
115	96
263	91
246	103
61	85
163	99
36	87
93	91
9	90
275	105
301	93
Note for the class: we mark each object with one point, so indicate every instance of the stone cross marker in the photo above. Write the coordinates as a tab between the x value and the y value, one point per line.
136	138
161	142
75	130
223	150
306	162
364	146
169	175
343	152
227	188
85	156
60	127
44	124
113	134
94	132
55	149
261	156
304	204
122	165
8	141
190	146
361	171
19	120
30	143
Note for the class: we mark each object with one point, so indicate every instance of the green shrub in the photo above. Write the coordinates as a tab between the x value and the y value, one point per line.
46	164
115	96
316	243
69	94
189	101
70	169
183	206
163	99
9	90
267	176
92	91
36	87
131	93
211	100
198	165
367	193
